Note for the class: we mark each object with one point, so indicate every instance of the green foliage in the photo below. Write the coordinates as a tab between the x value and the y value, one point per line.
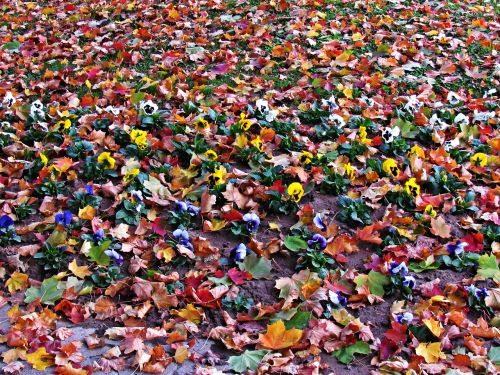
346	354
249	360
354	211
49	292
52	258
259	267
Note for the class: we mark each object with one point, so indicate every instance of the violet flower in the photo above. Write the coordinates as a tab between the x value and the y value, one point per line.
252	221
64	218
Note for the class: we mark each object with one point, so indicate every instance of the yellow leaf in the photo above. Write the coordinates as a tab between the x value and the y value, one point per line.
434	326
17	281
356	37
167	253
274	226
40	359
87	213
191	313
241	140
278	337
430	351
348	92
181	354
79	271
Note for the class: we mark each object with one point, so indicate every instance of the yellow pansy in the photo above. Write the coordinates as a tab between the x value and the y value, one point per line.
480	159
295	191
64	124
217	177
429	210
139	137
412	188
391	167
130	175
55	170
44	159
305	157
349	171
106	158
211	155
202	124
417	150
257	143
363	136
244	122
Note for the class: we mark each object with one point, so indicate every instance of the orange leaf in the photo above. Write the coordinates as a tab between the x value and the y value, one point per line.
278	337
440	228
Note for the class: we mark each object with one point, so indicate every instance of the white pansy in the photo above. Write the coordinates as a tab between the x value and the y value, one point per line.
262	105
483	116
337	120
453	98
113	110
389	134
368	101
461	119
148	107
8	100
451	144
437	123
330	103
413	104
271	115
36	109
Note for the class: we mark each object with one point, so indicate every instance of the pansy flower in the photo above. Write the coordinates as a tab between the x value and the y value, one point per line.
139	138
461	119
409	282
429	210
211	155
98	235
479	293
252	222
257	143
182	238
483	116
8	100
36	109
389	134
262	105
404	318
201	124
148	107
6	221
64	218
480	159
317	241
305	157
295	191
106	159
412	188
217	177
244	123
457	248
44	159
390	167
453	98
349	171
64	124
116	256
337	120
437	123
186	206
396	268
451	144
413	104
319	222
89	189
130	175
330	103
337	299
417	150
363	136
239	253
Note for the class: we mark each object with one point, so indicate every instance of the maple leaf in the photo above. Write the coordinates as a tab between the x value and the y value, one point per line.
434	326
79	271
430	351
17	281
40	359
278	337
191	313
249	360
440	228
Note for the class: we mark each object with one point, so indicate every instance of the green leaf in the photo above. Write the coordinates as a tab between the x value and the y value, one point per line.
50	291
300	320
488	267
137	97
96	254
494	354
345	355
250	359
12	46
259	267
295	243
376	283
